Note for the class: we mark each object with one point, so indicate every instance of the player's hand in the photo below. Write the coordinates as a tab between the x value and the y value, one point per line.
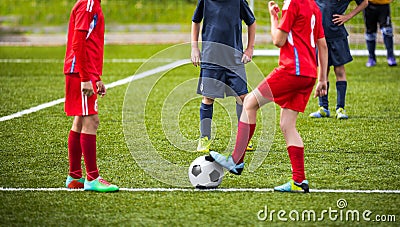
195	56
340	19
247	55
101	88
273	9
87	88
321	89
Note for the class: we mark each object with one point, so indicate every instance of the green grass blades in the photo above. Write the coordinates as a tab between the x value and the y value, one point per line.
360	153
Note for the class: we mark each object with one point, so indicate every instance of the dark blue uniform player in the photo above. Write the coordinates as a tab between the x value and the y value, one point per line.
338	50
378	12
222	56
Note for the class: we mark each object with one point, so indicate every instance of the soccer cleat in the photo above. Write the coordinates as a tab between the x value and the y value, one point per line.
227	162
341	114
73	183
204	144
322	112
292	186
99	185
391	61
371	62
250	146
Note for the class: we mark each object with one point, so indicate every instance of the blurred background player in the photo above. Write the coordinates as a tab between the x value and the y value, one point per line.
222	70
378	12
82	68
298	34
338	51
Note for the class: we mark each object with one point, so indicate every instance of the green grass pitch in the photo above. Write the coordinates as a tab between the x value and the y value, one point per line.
361	153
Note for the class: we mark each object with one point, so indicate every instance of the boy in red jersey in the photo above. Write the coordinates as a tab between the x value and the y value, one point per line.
298	34
83	66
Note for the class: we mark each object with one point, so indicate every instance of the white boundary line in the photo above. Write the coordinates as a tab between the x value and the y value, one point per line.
203	190
111	85
353	52
114	60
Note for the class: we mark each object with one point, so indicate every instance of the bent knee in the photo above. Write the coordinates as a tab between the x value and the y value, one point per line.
370	36
207	100
250	102
387	31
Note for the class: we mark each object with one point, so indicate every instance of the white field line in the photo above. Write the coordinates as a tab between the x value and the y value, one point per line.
32	109
349	191
111	85
353	52
118	60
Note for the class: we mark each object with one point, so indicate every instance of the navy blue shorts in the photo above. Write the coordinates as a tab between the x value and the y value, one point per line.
216	83
338	52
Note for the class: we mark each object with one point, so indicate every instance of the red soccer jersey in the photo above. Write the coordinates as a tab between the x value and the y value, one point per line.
86	15
303	21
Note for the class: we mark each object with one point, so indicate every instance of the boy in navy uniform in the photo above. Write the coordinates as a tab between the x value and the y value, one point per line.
378	12
222	57
338	50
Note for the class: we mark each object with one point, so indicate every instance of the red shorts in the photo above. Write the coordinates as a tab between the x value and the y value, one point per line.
77	104
287	90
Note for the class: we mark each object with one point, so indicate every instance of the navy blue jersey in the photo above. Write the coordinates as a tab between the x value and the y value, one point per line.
222	24
328	9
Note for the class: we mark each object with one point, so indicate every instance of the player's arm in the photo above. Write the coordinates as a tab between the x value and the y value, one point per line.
195	54
341	19
321	88
279	37
79	47
251	37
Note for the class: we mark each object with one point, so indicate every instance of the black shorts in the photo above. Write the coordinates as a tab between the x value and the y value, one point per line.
216	83
338	52
377	14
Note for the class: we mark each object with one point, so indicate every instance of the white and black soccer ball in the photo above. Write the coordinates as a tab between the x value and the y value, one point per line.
205	173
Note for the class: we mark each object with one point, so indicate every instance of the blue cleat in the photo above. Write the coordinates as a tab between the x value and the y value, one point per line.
371	62
227	163
322	112
292	186
391	61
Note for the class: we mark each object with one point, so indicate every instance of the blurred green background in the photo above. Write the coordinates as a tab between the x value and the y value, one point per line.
42	13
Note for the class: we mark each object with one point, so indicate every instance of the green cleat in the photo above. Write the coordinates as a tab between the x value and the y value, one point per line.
100	185
341	114
73	183
204	144
292	186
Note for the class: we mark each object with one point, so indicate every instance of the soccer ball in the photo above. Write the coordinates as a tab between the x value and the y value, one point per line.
205	173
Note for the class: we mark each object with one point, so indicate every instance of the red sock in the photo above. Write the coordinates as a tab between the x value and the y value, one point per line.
244	134
74	154
296	155
88	144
